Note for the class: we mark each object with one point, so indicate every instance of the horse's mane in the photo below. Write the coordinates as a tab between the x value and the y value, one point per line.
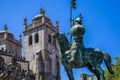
64	43
64	37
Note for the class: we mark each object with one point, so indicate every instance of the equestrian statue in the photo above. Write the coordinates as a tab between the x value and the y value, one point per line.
75	55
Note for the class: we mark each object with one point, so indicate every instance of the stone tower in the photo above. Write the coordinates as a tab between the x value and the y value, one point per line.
9	44
40	48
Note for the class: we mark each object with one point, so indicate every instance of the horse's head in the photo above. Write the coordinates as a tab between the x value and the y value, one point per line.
56	35
61	38
62	41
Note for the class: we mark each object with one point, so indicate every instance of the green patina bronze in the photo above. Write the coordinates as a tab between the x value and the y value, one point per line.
77	56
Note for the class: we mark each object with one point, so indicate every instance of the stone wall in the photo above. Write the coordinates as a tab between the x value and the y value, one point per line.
8	56
30	50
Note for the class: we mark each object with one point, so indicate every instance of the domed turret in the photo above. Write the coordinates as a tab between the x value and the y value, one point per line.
38	21
78	30
4	33
39	16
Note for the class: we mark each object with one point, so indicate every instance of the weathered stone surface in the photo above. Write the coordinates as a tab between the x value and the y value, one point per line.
13	71
42	55
41	58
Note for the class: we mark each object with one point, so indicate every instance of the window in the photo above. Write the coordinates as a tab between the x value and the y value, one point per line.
49	38
30	40
6	50
36	38
2	49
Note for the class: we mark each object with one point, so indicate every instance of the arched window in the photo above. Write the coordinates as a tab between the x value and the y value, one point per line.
2	49
30	40
49	38
6	50
36	38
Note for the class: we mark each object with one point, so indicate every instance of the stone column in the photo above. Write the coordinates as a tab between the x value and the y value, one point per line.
37	77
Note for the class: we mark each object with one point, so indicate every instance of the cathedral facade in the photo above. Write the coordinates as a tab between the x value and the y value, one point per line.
41	57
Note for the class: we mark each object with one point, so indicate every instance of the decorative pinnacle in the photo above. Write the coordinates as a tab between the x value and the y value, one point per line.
5	27
57	23
25	21
42	11
20	38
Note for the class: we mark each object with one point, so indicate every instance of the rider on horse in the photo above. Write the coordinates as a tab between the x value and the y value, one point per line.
77	31
77	56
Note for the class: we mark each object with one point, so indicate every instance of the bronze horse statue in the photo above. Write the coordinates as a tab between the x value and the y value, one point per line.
77	56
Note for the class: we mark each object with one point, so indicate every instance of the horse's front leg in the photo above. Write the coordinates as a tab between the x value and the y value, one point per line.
69	73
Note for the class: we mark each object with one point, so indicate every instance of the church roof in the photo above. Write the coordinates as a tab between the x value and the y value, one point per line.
39	16
6	33
2	33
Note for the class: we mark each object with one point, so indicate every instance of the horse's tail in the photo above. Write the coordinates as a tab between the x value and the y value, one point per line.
107	60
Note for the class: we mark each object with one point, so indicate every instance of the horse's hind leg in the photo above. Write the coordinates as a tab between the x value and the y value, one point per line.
100	71
92	69
69	73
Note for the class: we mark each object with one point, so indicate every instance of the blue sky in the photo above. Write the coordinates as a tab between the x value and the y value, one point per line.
101	20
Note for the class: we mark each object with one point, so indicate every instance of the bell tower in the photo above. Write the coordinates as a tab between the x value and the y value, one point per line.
40	48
